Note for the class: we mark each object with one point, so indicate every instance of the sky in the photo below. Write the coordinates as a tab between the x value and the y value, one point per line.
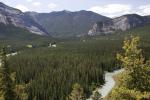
109	8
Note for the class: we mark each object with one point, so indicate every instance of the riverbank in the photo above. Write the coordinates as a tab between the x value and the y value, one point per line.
109	83
116	79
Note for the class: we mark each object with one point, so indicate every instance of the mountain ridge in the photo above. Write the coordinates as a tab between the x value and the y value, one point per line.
69	24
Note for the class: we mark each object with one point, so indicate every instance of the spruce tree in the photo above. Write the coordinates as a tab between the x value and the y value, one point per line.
6	83
77	93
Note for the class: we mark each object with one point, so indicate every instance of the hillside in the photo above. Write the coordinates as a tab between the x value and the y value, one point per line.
9	15
18	37
66	23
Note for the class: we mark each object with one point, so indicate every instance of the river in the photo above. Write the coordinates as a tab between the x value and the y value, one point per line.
109	83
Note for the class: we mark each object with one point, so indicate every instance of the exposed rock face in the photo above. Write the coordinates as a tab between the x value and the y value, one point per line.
102	28
9	15
122	23
66	23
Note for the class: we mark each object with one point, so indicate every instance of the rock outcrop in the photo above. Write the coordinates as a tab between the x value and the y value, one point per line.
9	15
122	23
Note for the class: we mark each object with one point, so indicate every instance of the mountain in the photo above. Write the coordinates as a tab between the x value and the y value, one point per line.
9	15
66	23
69	24
122	23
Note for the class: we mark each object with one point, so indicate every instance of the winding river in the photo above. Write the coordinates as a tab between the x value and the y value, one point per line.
109	83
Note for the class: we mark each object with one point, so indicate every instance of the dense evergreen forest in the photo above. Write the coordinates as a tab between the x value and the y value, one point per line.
52	71
49	73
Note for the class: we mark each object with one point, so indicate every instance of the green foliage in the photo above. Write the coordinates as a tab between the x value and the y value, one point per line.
135	81
97	96
6	83
22	93
136	69
77	93
92	87
122	93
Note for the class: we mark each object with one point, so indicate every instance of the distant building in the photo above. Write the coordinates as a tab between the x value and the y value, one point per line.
52	45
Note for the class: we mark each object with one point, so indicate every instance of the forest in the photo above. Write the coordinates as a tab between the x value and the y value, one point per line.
44	73
51	72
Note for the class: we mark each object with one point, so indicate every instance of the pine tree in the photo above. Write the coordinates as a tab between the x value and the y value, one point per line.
97	96
6	83
77	93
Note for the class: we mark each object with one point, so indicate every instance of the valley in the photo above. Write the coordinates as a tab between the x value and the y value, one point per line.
64	54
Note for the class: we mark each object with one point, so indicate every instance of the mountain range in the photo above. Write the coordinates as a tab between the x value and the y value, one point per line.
69	24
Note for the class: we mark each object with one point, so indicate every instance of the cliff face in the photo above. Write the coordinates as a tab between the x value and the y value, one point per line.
122	23
9	15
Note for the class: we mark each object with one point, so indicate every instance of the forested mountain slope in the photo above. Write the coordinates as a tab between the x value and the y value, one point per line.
67	23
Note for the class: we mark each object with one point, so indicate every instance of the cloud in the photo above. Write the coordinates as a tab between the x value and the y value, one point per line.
36	3
144	10
22	7
112	10
52	6
29	0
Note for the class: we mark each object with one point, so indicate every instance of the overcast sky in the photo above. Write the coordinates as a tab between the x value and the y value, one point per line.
110	8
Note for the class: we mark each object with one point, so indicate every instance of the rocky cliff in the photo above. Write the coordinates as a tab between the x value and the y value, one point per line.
122	23
9	15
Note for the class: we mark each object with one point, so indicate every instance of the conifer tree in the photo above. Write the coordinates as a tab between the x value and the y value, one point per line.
6	83
136	70
135	81
77	93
